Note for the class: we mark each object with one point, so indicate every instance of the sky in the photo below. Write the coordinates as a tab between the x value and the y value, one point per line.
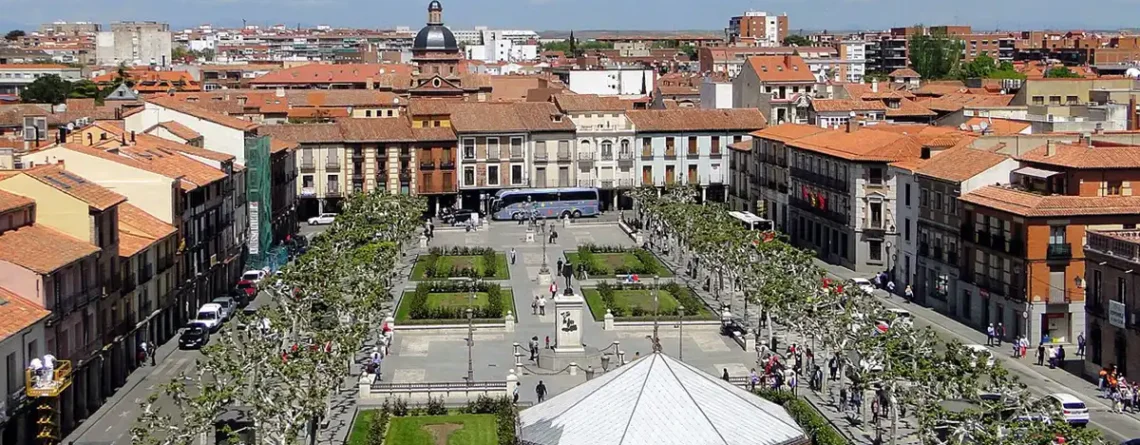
541	15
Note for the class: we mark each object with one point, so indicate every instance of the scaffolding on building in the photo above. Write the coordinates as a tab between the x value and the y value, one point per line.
259	196
44	388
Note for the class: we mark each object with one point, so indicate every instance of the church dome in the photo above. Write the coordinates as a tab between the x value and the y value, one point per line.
435	36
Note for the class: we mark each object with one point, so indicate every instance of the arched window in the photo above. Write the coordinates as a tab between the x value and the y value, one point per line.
625	147
607	150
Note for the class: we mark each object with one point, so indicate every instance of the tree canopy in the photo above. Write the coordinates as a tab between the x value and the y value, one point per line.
796	40
14	34
1060	72
49	89
985	67
935	56
580	45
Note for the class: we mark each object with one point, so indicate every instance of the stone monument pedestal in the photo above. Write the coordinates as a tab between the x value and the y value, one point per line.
568	311
544	280
530	236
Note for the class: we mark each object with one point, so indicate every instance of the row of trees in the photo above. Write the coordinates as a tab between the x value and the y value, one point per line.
52	89
939	56
293	355
911	366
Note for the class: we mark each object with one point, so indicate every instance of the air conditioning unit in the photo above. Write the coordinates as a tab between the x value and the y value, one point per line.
35	128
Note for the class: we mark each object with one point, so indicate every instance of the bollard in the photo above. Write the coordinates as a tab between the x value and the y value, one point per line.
590	372
621	357
530	237
512	382
749	341
510	322
423	241
573	368
517	347
608	321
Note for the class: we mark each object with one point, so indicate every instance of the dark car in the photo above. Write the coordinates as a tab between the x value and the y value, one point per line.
194	337
732	327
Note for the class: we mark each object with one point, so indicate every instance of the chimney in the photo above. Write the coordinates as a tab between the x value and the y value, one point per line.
1050	148
132	136
123	138
1099	128
874	87
280	91
851	125
369	83
1132	125
59	162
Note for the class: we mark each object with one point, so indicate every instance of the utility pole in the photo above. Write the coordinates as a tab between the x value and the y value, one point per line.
681	332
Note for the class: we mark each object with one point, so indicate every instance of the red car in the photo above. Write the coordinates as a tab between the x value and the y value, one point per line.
249	287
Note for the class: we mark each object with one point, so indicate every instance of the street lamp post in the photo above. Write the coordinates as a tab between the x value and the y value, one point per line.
681	332
656	313
470	345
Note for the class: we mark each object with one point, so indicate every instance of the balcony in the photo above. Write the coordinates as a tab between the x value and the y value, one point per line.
983	238
564	155
824	213
997	242
716	154
405	177
357	155
332	165
874	228
624	183
427	166
1059	252
59	380
625	156
541	155
146	273
607	155
517	154
821	180
447	165
782	188
646	154
938	253
966	232
308	166
129	284
587	183
332	190
670	154
585	157
607	183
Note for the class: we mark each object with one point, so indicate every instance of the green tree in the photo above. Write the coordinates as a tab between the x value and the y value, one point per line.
179	53
14	34
796	40
1060	72
84	89
979	68
935	56
49	89
690	51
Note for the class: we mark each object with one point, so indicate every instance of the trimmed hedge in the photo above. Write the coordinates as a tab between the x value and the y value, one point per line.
420	310
693	305
814	424
504	412
433	268
648	265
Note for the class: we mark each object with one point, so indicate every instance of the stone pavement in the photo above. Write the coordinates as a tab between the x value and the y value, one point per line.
1040	379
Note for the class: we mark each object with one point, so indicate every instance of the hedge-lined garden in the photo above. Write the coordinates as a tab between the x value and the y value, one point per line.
447	301
458	262
607	261
814	424
631	302
485	421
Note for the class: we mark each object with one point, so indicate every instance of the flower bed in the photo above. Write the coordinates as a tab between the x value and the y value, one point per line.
634	302
607	261
446	302
457	262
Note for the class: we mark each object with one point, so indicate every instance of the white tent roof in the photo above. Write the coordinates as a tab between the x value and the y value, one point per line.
658	400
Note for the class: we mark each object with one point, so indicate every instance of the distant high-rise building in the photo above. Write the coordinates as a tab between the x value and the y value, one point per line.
134	43
758	28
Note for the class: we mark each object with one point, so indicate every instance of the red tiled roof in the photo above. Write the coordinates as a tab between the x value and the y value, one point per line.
788	132
826	105
202	113
95	195
1085	157
862	144
1000	127
41	249
577	103
139	230
781	68
177	129
12	201
17	314
741	146
1027	204
343	73
960	164
695	119
508	117
904	72
277	145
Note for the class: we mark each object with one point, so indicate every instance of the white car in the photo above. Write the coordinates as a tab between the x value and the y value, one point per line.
902	317
324	218
864	284
210	315
1072	409
981	352
228	306
254	276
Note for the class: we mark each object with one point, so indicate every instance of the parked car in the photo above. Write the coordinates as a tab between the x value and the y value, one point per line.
864	284
228	306
1072	409
247	288
981	353
324	218
900	317
209	315
254	275
195	336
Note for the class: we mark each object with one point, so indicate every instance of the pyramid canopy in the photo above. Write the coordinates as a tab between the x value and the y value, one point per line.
658	400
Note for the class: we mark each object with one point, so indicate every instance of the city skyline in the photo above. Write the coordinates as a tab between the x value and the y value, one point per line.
564	15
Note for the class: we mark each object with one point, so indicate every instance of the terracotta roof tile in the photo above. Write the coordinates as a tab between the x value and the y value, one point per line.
1000	127
343	73
41	249
179	130
939	89
695	119
513	117
95	195
202	113
910	164
278	145
904	72
789	68
1085	157
375	130
430	107
17	314
434	134
139	230
960	164
318	113
304	133
12	201
909	108
744	146
863	144
788	132
577	103
156	159
847	105
146	141
1027	204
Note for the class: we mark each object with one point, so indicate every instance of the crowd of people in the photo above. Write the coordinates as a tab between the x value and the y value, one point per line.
1124	394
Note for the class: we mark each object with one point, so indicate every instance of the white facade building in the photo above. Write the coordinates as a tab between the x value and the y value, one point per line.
498	50
612	82
134	43
716	94
14	78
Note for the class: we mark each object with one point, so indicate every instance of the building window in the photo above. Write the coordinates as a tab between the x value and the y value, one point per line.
938	201
906	230
516	174
1094	287
924	198
1056	234
367	113
1121	289
1038	100
1054	100
906	196
493	149
492	175
876	175
1072	100
876	250
469	176
1114	187
469	148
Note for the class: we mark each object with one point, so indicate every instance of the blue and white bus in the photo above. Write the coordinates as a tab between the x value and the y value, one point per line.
547	203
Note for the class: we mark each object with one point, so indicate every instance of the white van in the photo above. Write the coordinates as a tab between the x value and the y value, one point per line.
210	315
981	352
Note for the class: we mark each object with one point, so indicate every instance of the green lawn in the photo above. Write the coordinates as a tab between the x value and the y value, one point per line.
613	261
359	433
642	298
502	272
476	429
453	299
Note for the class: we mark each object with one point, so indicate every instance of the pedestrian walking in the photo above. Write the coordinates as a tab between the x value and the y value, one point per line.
833	366
1060	355
990	332
513	255
725	376
891	287
909	293
1081	344
553	289
533	345
152	351
1000	333
547	342
1052	356
553	236
753	379
534	306
516	393
1041	354
843	398
540	391
559	269
542	304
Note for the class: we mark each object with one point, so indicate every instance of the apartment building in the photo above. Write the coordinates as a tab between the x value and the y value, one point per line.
57	272
1111	256
688	146
134	43
730	60
834	113
605	141
14	78
21	339
767	170
496	141
935	225
780	86
758	28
